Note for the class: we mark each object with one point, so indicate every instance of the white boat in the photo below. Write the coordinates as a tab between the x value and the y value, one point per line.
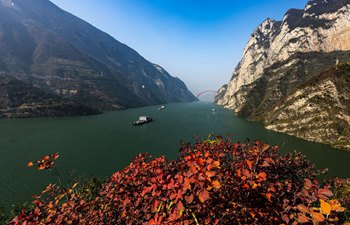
161	108
142	120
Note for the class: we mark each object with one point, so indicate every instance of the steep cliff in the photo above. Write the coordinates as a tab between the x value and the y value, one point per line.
318	110
282	55
46	47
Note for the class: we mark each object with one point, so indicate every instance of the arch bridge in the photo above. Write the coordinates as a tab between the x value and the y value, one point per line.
206	92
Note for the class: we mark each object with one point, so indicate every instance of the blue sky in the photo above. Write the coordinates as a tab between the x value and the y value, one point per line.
199	41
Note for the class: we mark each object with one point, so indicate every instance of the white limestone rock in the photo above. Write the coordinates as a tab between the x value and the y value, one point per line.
323	26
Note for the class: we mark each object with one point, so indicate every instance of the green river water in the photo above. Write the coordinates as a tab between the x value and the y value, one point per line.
101	144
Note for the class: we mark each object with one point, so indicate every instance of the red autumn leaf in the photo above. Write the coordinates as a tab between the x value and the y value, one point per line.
302	208
209	161
187	158
145	191
262	175
307	184
216	184
152	222
252	214
187	184
216	164
210	174
55	156
203	195
265	147
238	173
325	192
265	164
193	169
179	195
179	206
285	219
179	179
201	177
209	167
303	219
270	161
318	217
189	199
155	205
41	167
268	196
171	184
200	162
246	186
249	163
246	173
36	202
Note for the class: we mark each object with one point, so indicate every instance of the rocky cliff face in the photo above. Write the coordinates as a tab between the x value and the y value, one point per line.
318	110
61	54
282	55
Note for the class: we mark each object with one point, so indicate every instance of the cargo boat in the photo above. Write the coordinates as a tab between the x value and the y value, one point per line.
142	120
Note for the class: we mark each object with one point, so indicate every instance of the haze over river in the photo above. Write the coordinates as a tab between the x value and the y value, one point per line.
101	144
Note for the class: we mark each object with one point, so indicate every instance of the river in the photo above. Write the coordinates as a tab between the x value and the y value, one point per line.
101	144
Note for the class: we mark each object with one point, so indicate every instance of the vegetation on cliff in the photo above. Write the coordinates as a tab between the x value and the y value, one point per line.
215	181
318	110
21	100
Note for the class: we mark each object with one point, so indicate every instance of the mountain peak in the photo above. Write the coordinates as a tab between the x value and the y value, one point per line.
325	6
266	27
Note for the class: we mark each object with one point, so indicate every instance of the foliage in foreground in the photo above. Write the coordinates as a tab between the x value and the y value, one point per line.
212	182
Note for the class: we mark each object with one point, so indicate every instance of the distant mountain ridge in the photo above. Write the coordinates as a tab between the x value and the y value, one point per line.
46	47
281	56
